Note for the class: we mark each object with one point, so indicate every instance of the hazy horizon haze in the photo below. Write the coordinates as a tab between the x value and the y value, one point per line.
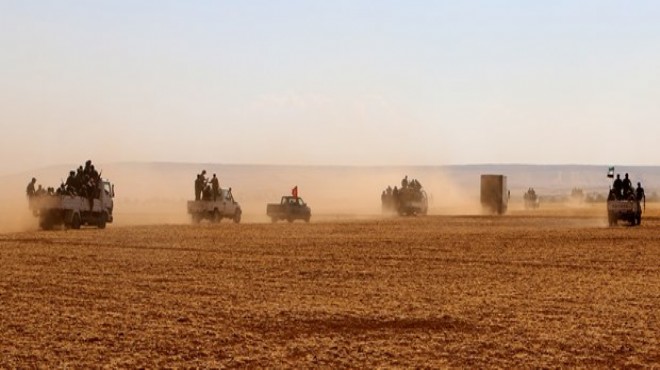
340	83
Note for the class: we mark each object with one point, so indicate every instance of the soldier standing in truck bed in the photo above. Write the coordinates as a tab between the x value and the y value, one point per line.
30	190
198	187
627	186
617	186
639	193
215	184
72	183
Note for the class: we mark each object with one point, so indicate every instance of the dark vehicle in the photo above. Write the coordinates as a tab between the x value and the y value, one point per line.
629	209
409	200
290	208
494	194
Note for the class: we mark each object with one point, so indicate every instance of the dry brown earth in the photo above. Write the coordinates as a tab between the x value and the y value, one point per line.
523	290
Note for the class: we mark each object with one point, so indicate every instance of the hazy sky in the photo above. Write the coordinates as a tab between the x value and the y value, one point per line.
329	82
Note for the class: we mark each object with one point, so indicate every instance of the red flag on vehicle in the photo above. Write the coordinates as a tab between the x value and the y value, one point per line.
294	191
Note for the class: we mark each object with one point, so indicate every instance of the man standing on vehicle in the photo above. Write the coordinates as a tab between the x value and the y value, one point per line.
71	183
215	184
639	194
627	186
30	188
617	186
198	187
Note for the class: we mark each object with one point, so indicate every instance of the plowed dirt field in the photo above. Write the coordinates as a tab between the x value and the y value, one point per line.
521	290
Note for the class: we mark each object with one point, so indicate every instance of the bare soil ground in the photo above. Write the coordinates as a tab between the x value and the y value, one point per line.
530	289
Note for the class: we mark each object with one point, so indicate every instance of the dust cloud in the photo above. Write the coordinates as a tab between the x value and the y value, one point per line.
157	193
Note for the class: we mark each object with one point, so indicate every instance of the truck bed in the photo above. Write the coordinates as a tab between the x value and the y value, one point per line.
623	206
65	202
274	209
197	206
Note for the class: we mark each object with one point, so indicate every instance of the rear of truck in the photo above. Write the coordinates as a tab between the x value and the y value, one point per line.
494	194
629	210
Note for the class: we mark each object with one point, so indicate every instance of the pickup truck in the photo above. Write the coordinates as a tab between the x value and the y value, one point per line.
224	206
73	211
624	209
290	208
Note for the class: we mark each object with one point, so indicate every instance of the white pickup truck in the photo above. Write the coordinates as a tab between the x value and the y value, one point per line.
224	206
72	211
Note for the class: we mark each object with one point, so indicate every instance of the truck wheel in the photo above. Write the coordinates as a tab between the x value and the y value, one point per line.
75	221
307	219
273	219
639	220
46	223
237	216
102	220
217	217
196	218
290	219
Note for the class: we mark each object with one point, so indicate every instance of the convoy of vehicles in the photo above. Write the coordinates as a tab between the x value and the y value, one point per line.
289	208
74	211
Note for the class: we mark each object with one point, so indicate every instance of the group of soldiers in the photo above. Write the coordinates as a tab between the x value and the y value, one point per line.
531	194
206	189
623	189
81	182
392	197
34	190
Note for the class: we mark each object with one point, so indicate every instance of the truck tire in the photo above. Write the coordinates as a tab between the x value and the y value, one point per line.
75	221
638	219
196	218
273	219
217	217
237	216
46	222
290	219
611	220
308	218
103	218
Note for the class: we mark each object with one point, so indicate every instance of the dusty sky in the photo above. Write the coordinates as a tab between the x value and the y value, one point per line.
329	82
